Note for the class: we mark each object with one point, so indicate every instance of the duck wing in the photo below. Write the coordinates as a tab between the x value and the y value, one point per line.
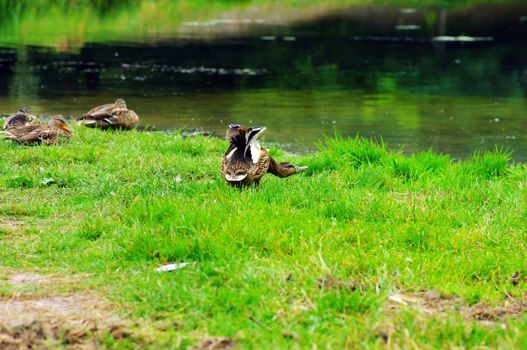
262	165
18	120
25	134
100	112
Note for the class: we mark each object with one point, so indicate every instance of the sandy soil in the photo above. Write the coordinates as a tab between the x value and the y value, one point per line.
33	321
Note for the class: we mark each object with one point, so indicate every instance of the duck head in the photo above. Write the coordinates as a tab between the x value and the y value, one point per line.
120	103
30	118
60	123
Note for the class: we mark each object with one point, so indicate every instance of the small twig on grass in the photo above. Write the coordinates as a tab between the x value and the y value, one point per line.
258	323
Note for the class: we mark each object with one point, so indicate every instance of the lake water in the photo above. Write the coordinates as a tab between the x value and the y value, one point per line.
454	80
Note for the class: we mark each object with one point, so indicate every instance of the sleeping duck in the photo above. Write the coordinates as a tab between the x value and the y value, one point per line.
246	161
21	118
110	116
46	134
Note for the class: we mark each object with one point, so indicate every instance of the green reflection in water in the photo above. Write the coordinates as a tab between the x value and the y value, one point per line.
298	119
69	24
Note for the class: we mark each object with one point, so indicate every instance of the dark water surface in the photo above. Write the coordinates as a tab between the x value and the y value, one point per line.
420	78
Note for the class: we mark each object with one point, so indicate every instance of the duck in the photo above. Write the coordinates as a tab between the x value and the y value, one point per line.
110	116
47	134
245	162
21	118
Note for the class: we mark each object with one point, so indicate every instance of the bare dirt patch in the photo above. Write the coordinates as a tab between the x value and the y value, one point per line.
10	225
75	321
213	343
33	283
330	282
433	303
21	279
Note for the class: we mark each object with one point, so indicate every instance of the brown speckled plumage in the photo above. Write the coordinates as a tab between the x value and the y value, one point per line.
21	118
110	116
239	166
245	162
46	134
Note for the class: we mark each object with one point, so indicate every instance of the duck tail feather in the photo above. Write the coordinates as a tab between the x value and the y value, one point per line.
8	135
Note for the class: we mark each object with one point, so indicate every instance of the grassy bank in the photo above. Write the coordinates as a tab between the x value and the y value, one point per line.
304	261
67	25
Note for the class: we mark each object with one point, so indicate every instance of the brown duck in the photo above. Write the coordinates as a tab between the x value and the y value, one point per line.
21	118
246	161
110	116
46	134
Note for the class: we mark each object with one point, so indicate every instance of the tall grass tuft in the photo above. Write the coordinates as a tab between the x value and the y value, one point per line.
338	151
412	167
490	164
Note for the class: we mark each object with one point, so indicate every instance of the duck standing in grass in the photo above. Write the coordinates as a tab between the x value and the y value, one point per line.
246	161
110	116
47	134
21	118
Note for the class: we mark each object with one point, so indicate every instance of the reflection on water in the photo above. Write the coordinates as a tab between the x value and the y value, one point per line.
417	78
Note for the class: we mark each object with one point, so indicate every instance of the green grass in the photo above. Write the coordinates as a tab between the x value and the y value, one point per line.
274	267
66	25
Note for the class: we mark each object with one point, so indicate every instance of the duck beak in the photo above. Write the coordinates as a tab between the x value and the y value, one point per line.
65	127
251	136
